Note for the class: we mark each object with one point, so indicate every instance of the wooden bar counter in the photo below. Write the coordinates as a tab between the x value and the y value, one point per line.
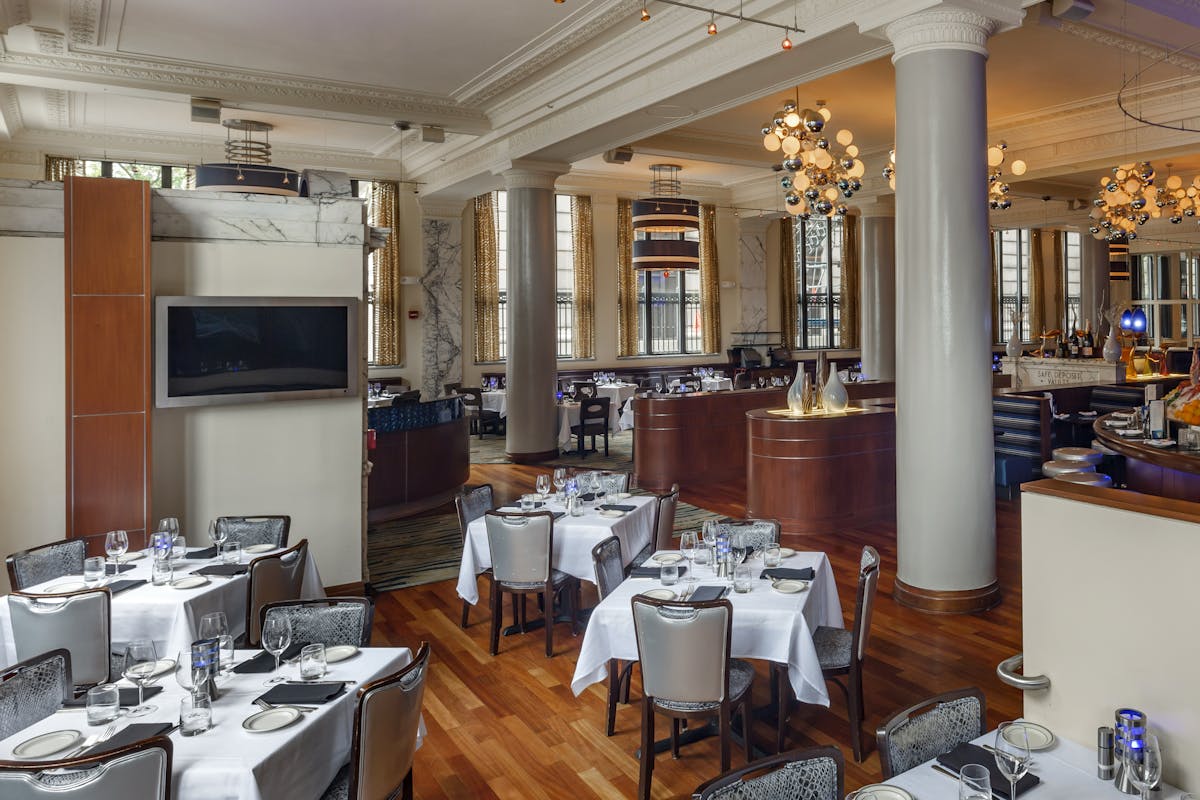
819	474
421	457
1164	472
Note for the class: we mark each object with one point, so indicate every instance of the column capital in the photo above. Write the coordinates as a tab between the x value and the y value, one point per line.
914	26
529	174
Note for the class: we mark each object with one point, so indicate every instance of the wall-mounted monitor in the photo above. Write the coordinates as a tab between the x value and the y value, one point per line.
212	350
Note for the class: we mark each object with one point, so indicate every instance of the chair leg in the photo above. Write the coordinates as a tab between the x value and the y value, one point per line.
784	701
646	768
465	613
855	713
406	788
497	613
626	679
675	737
723	716
614	689
548	614
747	718
606	443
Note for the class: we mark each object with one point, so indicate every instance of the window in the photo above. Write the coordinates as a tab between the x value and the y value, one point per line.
564	289
1012	267
160	176
818	262
362	189
669	311
1072	260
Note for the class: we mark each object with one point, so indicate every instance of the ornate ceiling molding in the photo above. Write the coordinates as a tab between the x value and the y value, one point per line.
85	17
56	101
50	41
1128	44
11	122
940	29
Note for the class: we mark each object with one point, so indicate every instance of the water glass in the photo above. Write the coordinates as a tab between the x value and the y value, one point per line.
178	547
527	502
974	783
669	574
771	556
103	704
231	552
743	577
160	572
195	714
312	662
93	570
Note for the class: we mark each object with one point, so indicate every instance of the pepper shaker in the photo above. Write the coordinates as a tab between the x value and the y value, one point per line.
1105	766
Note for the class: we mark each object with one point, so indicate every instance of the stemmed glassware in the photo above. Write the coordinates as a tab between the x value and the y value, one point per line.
543	485
141	662
115	545
276	636
599	487
658	387
1143	764
217	535
187	675
560	480
737	548
1012	753
687	546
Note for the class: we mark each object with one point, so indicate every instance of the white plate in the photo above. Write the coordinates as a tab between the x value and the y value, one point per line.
659	594
666	558
260	548
880	791
133	555
611	513
47	744
339	652
622	496
786	552
272	719
66	586
789	586
189	582
1039	736
1160	442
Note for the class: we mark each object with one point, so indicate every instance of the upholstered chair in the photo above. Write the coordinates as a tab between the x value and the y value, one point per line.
930	728
47	562
273	578
471	504
78	622
141	770
815	773
249	531
33	690
329	621
610	572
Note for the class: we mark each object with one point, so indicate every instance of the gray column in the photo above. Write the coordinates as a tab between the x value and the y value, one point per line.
945	510
532	420
1093	283
877	290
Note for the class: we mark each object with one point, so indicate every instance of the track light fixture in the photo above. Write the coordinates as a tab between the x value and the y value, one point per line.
712	25
713	13
786	44
645	14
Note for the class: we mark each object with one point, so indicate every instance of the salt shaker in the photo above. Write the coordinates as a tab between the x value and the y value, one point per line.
1105	766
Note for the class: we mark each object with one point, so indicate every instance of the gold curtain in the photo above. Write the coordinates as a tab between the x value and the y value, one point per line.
996	310
584	258
1058	303
59	167
1037	290
787	281
710	280
627	305
389	330
487	280
848	313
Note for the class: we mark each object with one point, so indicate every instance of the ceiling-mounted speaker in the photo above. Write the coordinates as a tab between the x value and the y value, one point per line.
1073	10
434	134
619	155
206	109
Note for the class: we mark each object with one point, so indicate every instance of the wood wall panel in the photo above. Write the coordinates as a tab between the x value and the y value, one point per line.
108	344
110	493
109	236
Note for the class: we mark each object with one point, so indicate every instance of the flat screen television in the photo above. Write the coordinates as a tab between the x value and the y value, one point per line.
212	350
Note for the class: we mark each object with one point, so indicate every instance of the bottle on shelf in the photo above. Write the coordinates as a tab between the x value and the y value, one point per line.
1089	343
1073	343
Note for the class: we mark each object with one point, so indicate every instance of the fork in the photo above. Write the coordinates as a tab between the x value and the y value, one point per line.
94	739
264	705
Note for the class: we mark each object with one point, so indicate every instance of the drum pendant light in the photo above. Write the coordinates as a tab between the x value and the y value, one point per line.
661	224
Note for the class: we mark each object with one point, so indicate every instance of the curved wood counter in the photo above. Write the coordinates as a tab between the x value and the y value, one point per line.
422	456
1166	472
819	474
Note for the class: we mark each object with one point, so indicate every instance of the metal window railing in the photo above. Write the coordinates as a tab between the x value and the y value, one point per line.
564	325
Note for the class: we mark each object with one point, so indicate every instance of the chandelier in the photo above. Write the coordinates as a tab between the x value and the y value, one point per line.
662	224
998	188
1127	199
1175	200
818	176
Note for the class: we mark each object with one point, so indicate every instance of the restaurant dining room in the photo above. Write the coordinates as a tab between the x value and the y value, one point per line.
594	399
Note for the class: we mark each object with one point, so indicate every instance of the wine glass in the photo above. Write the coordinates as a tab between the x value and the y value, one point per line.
762	382
170	527
115	545
141	661
1143	764
215	625
687	546
599	487
560	480
276	636
186	675
543	485
217	534
737	548
1012	753
658	387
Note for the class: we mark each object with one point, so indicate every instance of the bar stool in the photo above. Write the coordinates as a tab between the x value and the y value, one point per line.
1052	469
1087	454
1086	479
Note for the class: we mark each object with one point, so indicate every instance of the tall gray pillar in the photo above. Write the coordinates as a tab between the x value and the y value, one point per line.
532	420
1093	282
877	290
945	508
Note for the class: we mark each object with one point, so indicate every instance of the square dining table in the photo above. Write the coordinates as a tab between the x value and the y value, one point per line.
767	625
574	538
167	616
228	762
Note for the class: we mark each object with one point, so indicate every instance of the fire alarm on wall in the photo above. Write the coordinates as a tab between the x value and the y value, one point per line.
414	313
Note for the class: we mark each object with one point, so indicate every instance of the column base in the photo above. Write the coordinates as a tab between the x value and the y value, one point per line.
532	458
934	601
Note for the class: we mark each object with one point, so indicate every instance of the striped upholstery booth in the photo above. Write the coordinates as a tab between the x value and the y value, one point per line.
1106	399
1021	425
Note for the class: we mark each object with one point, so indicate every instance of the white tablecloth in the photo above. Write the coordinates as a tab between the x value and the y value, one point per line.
716	384
230	763
1067	771
170	617
574	538
382	401
568	413
767	625
496	401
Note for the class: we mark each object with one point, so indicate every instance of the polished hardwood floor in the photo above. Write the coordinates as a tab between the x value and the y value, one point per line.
510	727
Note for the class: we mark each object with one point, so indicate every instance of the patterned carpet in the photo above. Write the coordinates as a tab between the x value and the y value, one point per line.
427	549
490	450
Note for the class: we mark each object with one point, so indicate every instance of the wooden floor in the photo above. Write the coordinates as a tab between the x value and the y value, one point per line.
510	726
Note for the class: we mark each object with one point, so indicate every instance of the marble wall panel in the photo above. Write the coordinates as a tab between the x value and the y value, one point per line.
441	285
752	265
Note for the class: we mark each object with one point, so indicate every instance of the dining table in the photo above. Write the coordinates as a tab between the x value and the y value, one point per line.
230	762
617	393
168	616
495	400
768	624
574	538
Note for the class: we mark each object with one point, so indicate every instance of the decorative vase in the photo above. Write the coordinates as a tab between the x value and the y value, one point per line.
807	395
1013	346
795	392
1112	350
833	395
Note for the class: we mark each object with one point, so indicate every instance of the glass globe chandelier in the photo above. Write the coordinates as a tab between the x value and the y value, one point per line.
1177	201
1127	199
998	188
817	174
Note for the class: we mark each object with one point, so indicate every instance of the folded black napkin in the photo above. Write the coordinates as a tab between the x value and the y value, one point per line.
967	753
128	696
210	552
113	569
654	572
302	693
221	569
559	514
618	507
265	662
128	735
708	593
120	586
777	573
589	497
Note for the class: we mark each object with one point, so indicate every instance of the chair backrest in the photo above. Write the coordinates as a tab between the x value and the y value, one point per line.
868	582
78	622
471	504
521	545
328	621
472	398
664	519
755	532
47	562
742	380
386	719
451	388
411	396
930	727
141	769
593	408
606	558
273	578
33	690
624	476
813	773
1106	399
683	648
584	389
264	529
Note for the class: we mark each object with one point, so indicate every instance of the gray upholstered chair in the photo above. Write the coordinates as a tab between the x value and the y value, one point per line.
273	578
756	533
687	673
472	504
522	548
47	562
329	621
929	728
33	690
78	622
814	773
250	531
610	572
141	770
664	525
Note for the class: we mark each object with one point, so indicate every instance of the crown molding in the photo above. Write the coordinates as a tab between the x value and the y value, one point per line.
84	22
1123	42
11	122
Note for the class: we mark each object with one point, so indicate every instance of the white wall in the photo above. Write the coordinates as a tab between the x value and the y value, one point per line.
1108	611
